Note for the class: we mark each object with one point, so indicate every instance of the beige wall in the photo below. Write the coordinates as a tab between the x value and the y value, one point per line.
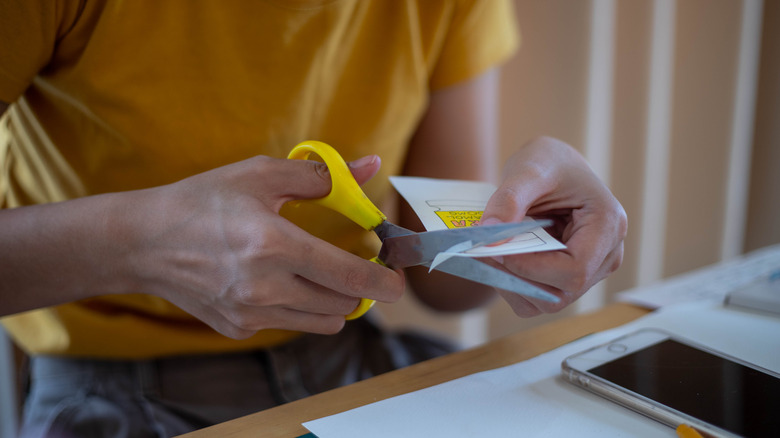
677	105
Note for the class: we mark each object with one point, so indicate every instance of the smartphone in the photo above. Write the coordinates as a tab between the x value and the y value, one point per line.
676	381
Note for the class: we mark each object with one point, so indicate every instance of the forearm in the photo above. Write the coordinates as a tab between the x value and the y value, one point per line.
56	253
456	139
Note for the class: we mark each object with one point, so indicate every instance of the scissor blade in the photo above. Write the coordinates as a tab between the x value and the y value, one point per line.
420	248
475	270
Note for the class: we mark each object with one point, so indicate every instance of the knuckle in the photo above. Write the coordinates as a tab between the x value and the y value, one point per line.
398	288
614	216
256	298
322	171
240	334
244	320
622	222
236	332
262	164
505	201
239	319
264	243
245	296
356	281
617	261
577	280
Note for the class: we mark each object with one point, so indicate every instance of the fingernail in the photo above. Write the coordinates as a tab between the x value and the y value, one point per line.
364	161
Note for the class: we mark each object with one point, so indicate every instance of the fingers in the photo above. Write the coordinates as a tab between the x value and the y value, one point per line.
561	273
572	269
300	305
364	168
244	324
303	282
311	297
286	180
345	273
525	306
528	307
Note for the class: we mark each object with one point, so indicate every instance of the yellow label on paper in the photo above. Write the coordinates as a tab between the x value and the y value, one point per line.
459	219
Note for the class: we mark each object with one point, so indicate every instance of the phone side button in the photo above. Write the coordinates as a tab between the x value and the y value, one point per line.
584	381
617	348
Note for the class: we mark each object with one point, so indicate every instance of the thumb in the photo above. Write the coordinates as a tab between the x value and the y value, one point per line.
509	203
305	179
363	169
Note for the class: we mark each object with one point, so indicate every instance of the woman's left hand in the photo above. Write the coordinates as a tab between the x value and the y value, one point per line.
548	179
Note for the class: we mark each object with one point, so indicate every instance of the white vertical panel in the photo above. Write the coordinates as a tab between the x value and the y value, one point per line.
740	147
656	169
598	128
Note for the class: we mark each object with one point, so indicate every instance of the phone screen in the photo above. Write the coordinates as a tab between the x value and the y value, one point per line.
723	393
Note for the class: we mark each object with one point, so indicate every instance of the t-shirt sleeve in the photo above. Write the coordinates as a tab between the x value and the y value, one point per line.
482	35
29	31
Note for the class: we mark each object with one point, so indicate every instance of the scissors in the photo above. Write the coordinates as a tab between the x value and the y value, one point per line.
402	248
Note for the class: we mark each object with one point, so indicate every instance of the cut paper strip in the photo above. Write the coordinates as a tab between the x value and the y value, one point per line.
452	251
531	241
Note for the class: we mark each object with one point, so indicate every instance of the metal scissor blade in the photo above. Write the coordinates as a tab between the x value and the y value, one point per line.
420	248
475	270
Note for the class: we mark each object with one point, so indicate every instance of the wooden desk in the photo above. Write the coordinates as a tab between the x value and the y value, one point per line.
285	421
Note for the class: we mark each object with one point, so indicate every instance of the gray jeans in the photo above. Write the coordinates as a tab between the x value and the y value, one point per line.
170	396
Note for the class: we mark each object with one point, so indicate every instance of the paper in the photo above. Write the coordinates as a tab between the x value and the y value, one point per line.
450	252
530	399
711	283
442	203
762	295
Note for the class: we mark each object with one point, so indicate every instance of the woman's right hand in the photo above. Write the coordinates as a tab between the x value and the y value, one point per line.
215	245
219	250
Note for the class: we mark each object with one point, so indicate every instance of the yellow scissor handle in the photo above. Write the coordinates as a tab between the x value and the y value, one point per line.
345	197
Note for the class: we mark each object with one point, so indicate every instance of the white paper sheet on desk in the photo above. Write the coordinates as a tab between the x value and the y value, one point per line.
710	283
530	399
444	203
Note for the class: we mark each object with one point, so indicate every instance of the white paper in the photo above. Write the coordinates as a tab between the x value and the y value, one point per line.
444	203
711	283
530	399
452	251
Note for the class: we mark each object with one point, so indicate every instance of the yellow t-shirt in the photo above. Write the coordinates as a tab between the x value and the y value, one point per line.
120	95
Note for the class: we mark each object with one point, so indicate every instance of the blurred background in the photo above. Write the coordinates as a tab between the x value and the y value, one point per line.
676	105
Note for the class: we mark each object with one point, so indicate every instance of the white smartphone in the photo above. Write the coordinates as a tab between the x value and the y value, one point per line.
676	381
